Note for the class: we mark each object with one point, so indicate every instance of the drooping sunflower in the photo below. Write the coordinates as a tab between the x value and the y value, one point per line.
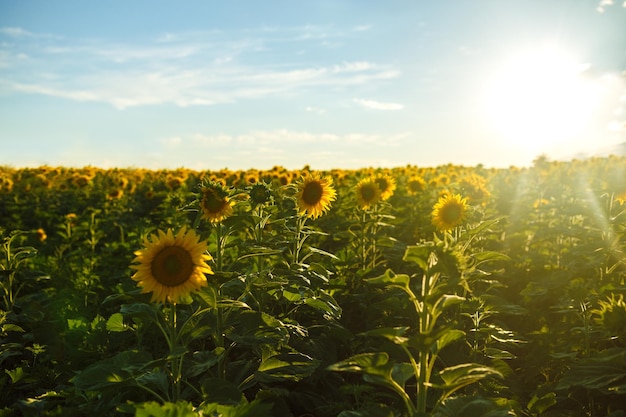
171	266
214	203
315	195
367	193
386	185
449	211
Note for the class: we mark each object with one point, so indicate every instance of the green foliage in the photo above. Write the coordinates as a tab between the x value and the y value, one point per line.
362	312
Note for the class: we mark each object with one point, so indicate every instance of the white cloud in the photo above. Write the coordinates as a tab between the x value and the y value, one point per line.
265	138
378	105
183	69
603	4
172	141
316	110
15	32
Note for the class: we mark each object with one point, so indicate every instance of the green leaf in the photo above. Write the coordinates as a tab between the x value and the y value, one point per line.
390	278
114	371
252	409
325	303
12	328
394	334
291	366
322	252
537	405
203	361
481	227
362	363
16	374
376	368
419	255
168	409
498	354
472	406
115	323
253	328
139	311
605	372
458	376
217	390
449	336
208	295
489	256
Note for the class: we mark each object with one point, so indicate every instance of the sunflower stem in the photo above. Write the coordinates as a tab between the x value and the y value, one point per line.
362	240
218	250
219	341
175	364
374	232
259	236
298	241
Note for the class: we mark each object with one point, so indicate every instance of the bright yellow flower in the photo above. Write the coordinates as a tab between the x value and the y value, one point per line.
415	184
386	185
315	195
41	234
449	212
171	266
367	193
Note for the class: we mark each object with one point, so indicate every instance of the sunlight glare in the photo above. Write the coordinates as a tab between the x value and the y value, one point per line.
540	98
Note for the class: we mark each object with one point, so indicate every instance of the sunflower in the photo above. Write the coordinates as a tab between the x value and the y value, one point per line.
386	185
314	195
367	193
215	204
171	266
260	194
449	211
415	185
41	234
620	197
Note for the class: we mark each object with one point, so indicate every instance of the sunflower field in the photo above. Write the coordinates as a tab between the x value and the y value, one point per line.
410	291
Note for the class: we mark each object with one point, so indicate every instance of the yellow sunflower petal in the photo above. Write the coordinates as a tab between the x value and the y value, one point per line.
171	266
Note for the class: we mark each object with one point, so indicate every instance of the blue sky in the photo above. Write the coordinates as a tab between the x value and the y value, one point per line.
328	83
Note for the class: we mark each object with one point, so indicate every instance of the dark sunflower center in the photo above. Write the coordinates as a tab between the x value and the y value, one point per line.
172	266
451	213
368	194
312	193
259	194
212	202
415	186
382	184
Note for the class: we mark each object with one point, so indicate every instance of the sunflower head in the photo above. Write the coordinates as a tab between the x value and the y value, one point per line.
260	194
449	212
171	266
612	315
386	185
620	197
367	193
415	185
214	202
115	194
315	194
41	234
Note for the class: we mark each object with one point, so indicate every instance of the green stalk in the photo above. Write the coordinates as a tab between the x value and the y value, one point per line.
363	240
218	250
176	365
422	388
259	237
298	242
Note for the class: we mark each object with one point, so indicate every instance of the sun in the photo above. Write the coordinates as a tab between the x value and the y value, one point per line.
540	98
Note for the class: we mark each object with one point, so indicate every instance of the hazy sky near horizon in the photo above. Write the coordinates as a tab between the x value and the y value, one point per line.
328	83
